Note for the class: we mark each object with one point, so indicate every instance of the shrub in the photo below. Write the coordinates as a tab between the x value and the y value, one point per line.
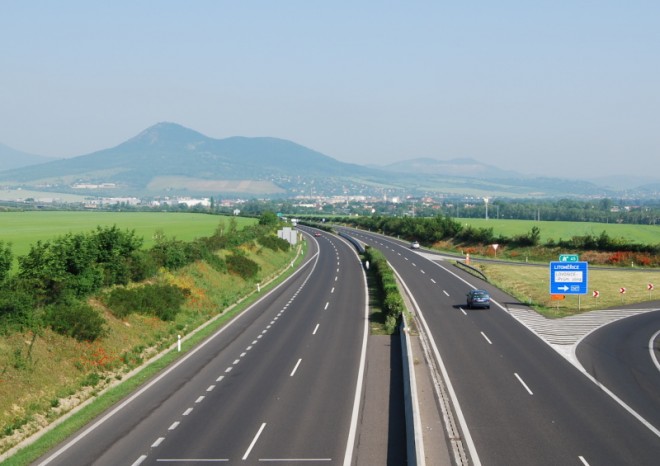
141	265
6	259
76	319
242	266
201	250
274	243
16	309
171	254
393	305
161	300
391	300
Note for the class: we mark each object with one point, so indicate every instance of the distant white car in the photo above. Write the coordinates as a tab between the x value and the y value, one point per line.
414	245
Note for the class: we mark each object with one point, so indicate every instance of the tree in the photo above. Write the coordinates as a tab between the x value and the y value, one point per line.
269	219
6	259
115	253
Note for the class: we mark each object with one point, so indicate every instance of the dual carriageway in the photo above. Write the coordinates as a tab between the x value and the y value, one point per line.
284	382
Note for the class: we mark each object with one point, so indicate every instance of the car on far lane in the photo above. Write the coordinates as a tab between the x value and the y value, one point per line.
317	234
414	245
478	298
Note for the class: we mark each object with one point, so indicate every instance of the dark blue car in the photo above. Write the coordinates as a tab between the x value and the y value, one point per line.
478	298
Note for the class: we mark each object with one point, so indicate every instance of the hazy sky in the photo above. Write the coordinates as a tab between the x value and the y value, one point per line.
562	87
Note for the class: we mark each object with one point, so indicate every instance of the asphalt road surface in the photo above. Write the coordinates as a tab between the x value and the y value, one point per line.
277	385
623	357
520	402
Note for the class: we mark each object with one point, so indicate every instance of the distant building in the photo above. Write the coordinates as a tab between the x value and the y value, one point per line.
206	202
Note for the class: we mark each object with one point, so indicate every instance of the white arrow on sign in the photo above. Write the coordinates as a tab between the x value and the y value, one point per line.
562	288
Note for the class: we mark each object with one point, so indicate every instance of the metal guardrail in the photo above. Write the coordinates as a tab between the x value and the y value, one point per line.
358	245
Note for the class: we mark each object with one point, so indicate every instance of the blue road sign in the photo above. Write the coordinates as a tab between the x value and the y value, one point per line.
569	277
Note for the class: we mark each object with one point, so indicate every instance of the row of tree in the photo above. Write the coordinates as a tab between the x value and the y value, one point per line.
429	230
571	210
605	210
55	277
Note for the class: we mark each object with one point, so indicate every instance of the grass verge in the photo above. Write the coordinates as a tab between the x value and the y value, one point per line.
530	285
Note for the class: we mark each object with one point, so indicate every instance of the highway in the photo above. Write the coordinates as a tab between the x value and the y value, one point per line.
518	401
623	357
279	384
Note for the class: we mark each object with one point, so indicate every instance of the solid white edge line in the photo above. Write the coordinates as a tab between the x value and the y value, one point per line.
179	362
292	460
652	350
572	360
420	457
522	382
445	375
254	441
352	433
576	363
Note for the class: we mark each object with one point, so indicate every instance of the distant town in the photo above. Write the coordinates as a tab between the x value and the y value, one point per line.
602	210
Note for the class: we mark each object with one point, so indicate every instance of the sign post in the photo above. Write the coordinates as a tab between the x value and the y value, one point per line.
569	277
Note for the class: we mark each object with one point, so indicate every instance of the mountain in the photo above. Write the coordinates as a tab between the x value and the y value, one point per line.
463	167
12	158
168	159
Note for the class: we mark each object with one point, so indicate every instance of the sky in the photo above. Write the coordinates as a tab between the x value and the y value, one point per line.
549	88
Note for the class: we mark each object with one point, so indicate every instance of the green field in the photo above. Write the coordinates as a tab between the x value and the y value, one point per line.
641	234
22	229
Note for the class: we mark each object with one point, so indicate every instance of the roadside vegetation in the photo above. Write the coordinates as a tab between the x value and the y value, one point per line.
450	235
387	298
82	310
22	229
530	284
521	268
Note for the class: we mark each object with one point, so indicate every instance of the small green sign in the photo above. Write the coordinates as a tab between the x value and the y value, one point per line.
568	258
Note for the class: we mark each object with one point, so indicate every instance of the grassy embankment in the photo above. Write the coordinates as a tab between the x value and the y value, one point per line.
44	375
531	284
